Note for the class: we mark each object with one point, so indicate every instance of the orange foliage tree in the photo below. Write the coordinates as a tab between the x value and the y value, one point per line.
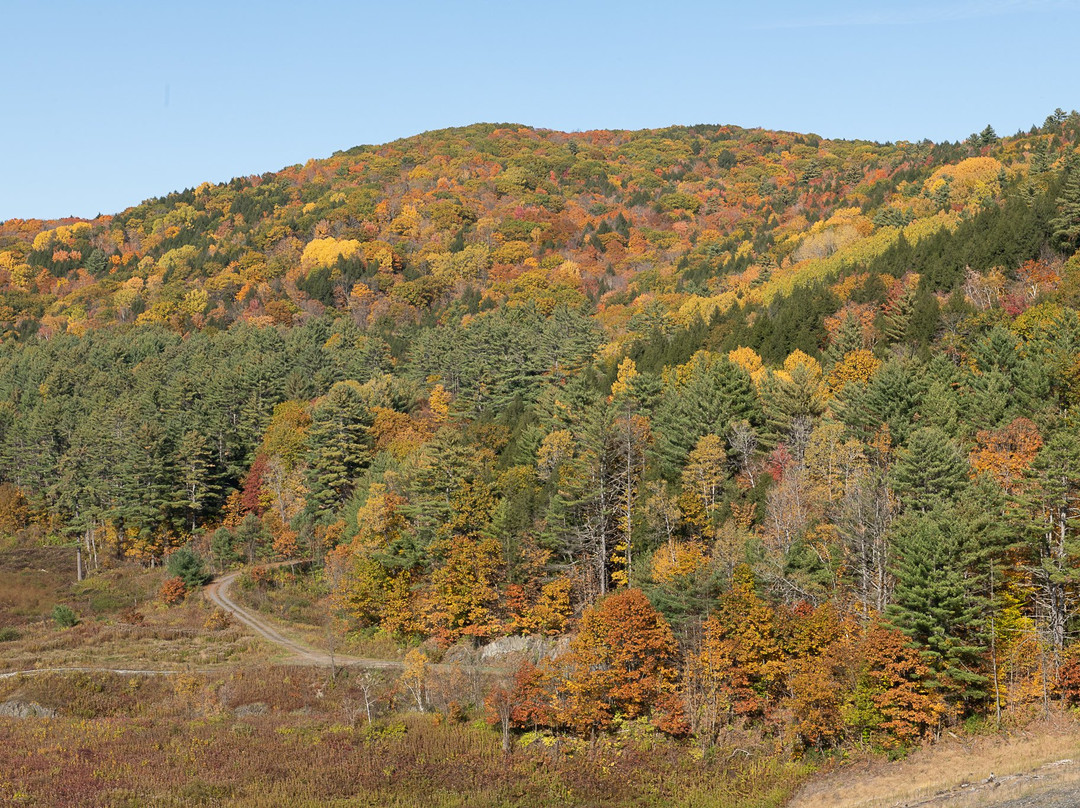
740	664
622	660
1006	454
893	703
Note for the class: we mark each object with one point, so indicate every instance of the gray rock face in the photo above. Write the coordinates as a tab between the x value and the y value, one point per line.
531	647
25	709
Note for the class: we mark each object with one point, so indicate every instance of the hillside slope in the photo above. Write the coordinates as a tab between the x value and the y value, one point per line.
782	429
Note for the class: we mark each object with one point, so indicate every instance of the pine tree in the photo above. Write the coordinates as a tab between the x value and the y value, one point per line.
197	474
896	320
891	397
940	407
1066	225
849	338
930	470
935	604
1040	158
1050	519
339	445
716	393
187	565
793	398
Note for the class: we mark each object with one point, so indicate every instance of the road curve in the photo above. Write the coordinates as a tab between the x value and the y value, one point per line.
217	592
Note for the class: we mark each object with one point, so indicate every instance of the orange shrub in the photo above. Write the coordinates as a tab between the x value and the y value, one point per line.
173	591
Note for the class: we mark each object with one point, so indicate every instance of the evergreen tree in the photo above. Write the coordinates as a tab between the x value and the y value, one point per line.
339	445
891	398
1050	520
930	470
849	338
716	393
895	324
935	604
1005	383
940	407
188	565
792	400
197	475
1065	226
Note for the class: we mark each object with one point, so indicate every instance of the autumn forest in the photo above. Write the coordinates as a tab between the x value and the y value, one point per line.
757	434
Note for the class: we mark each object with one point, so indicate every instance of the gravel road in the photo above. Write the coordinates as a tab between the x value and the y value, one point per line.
217	592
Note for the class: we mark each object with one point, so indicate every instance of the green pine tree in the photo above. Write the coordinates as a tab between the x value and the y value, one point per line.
717	394
1050	522
890	398
849	338
339	444
188	565
935	603
1066	225
929	471
195	460
895	324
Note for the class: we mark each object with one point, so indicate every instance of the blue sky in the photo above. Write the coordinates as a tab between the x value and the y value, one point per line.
109	103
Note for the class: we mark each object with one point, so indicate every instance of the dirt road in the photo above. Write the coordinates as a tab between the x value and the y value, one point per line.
217	592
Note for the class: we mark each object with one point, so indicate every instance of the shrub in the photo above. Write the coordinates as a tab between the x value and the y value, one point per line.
217	621
173	591
132	617
64	616
1069	679
9	633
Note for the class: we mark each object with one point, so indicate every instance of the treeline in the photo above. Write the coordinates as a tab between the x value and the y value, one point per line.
133	438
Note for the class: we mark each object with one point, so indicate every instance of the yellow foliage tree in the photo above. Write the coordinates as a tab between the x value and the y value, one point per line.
968	183
856	366
624	379
556	447
439	404
324	252
703	479
749	360
677	560
462	593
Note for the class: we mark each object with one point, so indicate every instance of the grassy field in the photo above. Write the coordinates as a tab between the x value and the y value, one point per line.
281	736
31	579
122	624
229	724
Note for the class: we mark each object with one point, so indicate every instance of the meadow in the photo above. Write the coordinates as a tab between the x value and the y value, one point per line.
292	736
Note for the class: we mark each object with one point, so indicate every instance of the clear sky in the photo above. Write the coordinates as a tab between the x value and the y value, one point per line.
109	103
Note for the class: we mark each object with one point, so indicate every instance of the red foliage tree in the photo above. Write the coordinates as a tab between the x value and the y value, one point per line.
252	487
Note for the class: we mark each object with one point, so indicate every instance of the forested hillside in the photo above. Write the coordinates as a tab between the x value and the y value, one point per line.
782	429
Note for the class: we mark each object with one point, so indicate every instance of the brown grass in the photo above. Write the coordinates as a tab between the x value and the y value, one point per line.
195	739
940	771
32	581
108	645
123	625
